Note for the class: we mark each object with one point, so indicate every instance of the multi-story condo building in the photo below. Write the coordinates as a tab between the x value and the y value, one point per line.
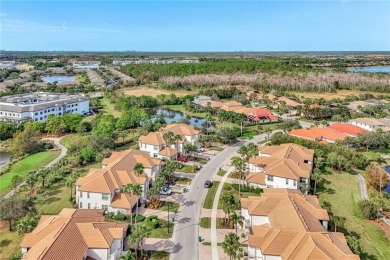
284	224
372	124
281	166
38	106
156	146
75	234
103	188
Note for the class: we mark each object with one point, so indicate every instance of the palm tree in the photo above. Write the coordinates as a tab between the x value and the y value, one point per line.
239	164
43	174
128	189
228	203
139	168
337	221
137	236
137	190
208	119
316	176
237	219
177	138
31	178
232	247
268	131
70	181
168	137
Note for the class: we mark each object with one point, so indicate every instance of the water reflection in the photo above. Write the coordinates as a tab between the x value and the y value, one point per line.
171	116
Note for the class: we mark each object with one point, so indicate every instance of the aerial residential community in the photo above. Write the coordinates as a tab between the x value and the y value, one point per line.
183	150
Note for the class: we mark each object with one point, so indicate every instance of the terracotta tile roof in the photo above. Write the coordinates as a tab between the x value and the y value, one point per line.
317	133
314	106
117	173
232	104
124	201
154	138
180	129
168	151
258	111
256	178
348	129
58	236
285	168
306	134
292	151
212	104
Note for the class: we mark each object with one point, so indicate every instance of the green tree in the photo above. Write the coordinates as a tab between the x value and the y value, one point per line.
26	140
55	124
27	223
229	204
14	207
16	180
31	179
316	176
7	129
137	190
237	220
127	256
42	174
137	236
70	182
232	247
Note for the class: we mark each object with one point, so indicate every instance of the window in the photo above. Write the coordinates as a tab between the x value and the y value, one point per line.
105	207
81	194
89	205
88	195
270	178
81	205
41	113
156	147
286	181
36	114
295	183
154	155
105	196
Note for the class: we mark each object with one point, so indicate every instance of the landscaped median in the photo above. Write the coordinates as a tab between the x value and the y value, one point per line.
21	168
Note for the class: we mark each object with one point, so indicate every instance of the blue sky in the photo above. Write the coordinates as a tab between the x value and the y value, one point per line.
195	25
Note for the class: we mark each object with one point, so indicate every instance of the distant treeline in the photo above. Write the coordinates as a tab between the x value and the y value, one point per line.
154	72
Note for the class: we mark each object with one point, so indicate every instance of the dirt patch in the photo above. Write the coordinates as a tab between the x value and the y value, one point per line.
145	91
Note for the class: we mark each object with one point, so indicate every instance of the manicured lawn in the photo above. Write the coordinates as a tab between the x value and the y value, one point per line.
374	154
9	243
221	173
216	148
21	168
208	202
54	199
341	191
186	168
206	222
158	255
70	139
108	107
172	206
162	230
227	187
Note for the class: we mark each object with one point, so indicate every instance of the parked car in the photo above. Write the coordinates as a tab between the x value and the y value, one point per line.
165	191
201	149
182	159
207	184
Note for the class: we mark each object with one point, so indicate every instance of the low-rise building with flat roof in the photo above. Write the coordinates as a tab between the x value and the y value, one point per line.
38	106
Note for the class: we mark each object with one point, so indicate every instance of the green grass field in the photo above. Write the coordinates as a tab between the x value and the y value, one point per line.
341	191
9	243
21	168
206	222
54	199
208	201
109	108
227	187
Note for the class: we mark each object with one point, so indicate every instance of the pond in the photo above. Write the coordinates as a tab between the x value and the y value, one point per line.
387	169
370	69
58	78
4	159
171	116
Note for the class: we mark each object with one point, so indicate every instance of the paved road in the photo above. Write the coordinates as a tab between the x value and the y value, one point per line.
303	124
56	142
362	185
186	230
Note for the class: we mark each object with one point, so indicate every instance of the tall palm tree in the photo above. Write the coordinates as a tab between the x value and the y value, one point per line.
43	174
177	138
168	138
137	236
237	219
139	168
232	247
128	189
70	181
137	190
31	179
316	176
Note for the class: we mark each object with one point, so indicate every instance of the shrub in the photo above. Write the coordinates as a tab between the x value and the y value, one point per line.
120	216
367	209
152	221
246	188
139	218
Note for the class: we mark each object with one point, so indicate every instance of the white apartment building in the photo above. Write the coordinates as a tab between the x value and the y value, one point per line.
281	166
156	146
372	124
103	188
75	234
38	106
284	224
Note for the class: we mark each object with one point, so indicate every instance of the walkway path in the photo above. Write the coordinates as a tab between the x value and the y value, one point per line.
362	185
56	142
214	241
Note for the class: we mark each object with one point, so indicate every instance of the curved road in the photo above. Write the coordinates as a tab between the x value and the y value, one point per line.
186	231
64	151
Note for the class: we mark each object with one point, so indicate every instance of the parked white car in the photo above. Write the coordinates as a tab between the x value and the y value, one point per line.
165	191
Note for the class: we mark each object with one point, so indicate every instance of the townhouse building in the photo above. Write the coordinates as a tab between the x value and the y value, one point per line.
285	224
372	124
281	166
75	234
156	146
104	188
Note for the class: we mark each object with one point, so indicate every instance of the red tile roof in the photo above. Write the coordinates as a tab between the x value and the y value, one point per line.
348	129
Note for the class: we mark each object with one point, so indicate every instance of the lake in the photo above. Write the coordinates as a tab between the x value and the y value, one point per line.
370	69
58	78
387	169
171	116
4	158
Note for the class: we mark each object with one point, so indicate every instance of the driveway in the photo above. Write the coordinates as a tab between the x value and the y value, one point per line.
186	232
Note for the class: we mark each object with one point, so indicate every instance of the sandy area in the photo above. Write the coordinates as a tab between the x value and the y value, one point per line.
145	91
327	96
24	66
